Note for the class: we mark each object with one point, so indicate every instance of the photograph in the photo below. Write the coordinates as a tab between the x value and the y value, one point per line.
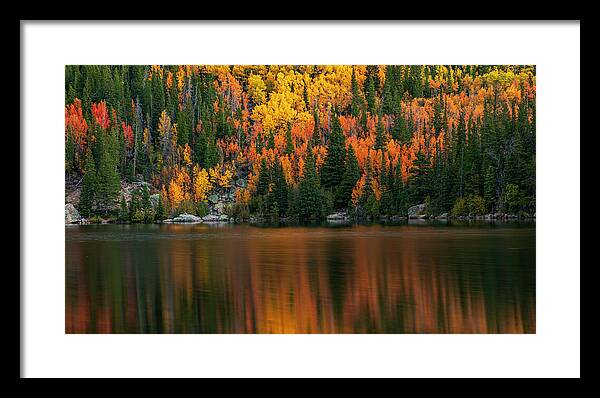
300	198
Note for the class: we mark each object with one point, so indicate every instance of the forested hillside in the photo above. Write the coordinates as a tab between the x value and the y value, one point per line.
300	142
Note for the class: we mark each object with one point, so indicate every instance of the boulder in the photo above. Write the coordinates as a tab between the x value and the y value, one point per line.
187	218
340	216
397	218
417	211
216	218
154	200
219	207
442	216
72	216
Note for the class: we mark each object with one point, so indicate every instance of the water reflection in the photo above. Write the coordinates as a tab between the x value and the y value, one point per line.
243	279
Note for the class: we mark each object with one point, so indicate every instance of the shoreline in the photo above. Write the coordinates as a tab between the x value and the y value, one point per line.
331	223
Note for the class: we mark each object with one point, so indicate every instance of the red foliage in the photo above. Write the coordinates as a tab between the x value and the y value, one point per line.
75	122
128	134
100	112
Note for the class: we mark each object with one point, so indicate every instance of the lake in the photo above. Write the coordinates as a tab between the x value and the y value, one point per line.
417	278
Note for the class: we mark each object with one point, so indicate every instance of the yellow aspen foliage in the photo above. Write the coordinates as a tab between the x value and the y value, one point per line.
221	175
286	165
358	189
202	184
169	81
176	193
187	155
180	78
164	124
376	188
257	89
242	196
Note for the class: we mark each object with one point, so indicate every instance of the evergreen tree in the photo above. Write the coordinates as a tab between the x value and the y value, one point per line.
108	182
400	194
370	93
184	125
310	197
386	182
419	179
400	131
136	214
490	187
332	171
349	180
280	190
264	179
88	189
146	205
160	210
357	104
381	135
368	201
123	210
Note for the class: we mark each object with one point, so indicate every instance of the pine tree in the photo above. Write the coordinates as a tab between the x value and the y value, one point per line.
280	190
349	180
123	210
357	104
489	193
160	209
332	171
136	214
370	93
387	184
88	189
108	182
400	130
419	179
400	194
368	200
264	179
310	198
381	135
70	151
390	95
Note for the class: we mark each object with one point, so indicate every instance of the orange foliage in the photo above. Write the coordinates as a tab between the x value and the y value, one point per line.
128	134
75	122
100	113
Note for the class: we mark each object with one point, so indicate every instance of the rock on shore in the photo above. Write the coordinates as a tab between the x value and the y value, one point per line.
72	216
340	216
216	218
184	218
417	211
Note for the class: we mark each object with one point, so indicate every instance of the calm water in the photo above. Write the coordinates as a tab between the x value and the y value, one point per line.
248	279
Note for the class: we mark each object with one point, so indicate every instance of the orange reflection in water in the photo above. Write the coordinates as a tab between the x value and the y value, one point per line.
362	279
